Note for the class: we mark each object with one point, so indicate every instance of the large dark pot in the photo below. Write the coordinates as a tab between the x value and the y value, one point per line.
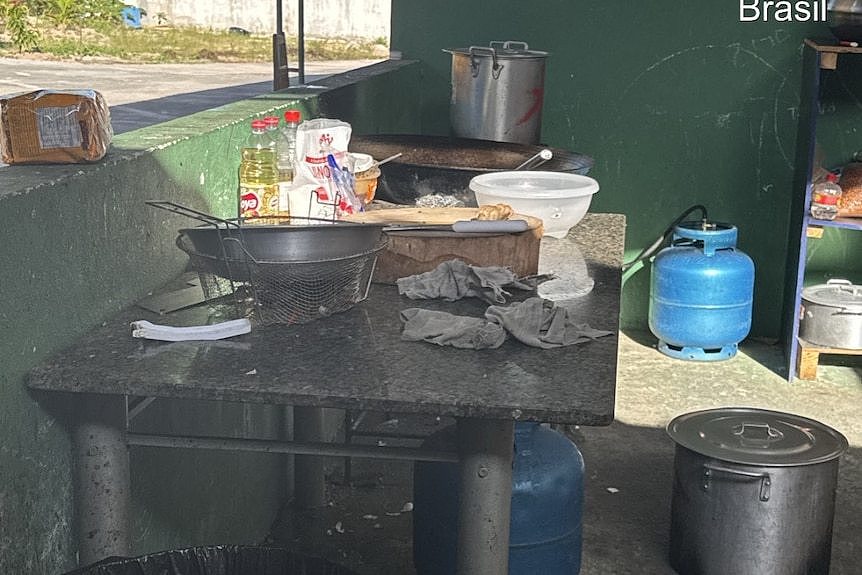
753	493
444	165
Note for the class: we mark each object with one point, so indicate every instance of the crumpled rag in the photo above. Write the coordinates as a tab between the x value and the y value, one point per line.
454	279
447	329
534	322
541	323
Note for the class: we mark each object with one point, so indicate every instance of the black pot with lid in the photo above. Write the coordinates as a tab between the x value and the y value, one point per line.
753	492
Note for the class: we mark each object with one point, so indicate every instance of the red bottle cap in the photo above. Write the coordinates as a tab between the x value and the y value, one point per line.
292	116
832	177
271	120
258	124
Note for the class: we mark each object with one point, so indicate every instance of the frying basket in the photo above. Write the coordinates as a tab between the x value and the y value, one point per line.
278	292
288	292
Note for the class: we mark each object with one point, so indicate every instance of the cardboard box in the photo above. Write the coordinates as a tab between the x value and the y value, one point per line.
54	127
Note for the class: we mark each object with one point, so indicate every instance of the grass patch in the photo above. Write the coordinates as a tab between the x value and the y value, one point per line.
168	44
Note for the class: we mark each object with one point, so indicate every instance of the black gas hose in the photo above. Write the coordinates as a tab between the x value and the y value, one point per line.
652	248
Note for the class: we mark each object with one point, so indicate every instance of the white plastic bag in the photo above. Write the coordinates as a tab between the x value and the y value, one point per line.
314	193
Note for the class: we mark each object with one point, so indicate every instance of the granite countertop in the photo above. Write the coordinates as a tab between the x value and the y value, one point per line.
357	360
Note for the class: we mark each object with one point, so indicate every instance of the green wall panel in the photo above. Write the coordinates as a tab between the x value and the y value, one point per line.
78	244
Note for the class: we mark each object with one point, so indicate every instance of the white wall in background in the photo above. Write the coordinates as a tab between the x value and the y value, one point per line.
323	18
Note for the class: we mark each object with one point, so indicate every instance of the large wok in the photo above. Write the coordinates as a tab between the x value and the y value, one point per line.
444	165
227	248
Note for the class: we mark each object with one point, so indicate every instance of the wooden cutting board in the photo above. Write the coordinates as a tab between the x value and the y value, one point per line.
412	252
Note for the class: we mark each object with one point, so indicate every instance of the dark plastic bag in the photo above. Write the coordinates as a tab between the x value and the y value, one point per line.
216	560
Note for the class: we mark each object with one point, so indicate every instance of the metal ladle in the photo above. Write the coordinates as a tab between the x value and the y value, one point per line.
536	160
389	159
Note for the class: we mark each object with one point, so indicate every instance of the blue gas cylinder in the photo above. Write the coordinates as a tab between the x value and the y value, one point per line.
547	506
701	293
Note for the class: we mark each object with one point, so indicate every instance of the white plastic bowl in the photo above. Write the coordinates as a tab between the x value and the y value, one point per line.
559	199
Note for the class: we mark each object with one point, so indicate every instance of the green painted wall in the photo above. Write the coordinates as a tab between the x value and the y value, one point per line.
78	243
678	102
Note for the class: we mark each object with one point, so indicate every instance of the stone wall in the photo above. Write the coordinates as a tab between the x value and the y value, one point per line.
323	18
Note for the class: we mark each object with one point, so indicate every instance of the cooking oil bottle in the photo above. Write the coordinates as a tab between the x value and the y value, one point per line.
258	179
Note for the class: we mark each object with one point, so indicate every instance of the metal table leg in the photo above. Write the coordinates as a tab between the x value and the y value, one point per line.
102	478
485	452
309	480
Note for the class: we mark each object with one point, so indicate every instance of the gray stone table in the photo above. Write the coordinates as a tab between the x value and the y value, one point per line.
356	360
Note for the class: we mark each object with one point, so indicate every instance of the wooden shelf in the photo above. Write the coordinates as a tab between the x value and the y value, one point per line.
832	46
809	357
847	223
829	51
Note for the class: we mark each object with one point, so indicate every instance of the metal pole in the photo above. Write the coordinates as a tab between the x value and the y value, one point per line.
300	57
309	478
485	449
280	70
314	449
102	478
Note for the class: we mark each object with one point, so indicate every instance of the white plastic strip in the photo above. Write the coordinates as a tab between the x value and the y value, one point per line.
148	330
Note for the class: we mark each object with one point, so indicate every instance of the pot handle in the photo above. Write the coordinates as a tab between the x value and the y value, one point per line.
765	479
510	45
757	434
496	67
191	213
845	285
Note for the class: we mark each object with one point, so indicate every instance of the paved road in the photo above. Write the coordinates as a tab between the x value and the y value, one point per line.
144	94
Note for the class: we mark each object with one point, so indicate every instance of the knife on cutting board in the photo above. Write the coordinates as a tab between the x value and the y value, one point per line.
465	226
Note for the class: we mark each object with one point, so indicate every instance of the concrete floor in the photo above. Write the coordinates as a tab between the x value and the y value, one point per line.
629	465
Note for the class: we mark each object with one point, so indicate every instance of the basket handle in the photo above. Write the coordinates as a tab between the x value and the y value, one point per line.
191	213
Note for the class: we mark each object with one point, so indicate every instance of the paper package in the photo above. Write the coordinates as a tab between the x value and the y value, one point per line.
54	127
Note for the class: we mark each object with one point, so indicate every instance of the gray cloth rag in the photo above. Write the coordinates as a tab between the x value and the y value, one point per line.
446	329
541	323
454	279
534	322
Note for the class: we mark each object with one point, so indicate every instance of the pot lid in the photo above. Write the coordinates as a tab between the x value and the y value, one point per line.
509	49
835	292
751	436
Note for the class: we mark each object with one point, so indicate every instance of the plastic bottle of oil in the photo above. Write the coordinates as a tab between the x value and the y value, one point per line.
258	178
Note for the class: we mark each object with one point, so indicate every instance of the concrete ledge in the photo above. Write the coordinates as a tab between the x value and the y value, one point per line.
230	120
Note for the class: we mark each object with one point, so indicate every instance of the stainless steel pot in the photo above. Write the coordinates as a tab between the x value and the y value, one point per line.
753	493
845	19
498	92
832	315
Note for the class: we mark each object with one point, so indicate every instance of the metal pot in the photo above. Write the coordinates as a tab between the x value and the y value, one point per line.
832	315
845	19
497	92
753	493
444	165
